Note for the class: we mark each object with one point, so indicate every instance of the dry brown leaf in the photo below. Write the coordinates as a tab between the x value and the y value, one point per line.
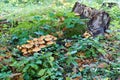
16	76
81	54
86	35
8	55
77	78
62	19
102	65
1	58
68	44
60	34
108	36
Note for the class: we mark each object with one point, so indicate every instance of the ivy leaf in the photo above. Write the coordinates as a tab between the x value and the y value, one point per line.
101	50
41	72
34	66
68	78
39	33
39	62
73	52
52	59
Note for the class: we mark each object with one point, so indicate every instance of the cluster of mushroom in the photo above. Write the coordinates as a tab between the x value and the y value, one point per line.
36	44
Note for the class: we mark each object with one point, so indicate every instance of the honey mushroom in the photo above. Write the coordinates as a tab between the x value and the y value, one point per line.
36	44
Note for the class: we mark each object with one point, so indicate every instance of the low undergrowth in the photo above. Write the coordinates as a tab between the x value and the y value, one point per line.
71	58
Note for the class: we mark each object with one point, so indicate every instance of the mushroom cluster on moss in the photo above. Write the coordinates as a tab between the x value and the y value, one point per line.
36	44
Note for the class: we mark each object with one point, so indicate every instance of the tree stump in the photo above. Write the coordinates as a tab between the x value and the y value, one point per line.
99	20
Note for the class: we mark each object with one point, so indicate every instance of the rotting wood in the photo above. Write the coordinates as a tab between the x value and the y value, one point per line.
84	11
99	23
99	20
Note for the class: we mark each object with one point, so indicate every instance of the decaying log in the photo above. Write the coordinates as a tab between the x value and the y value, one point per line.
84	11
99	20
4	21
99	23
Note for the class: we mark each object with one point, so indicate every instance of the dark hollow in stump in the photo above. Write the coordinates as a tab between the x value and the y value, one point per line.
99	20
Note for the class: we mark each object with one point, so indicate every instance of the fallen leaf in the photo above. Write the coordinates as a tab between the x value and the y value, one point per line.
1	58
86	35
68	44
102	65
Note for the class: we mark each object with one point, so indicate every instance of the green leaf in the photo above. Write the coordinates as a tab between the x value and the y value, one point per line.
101	50
34	66
68	78
41	72
38	62
73	52
51	58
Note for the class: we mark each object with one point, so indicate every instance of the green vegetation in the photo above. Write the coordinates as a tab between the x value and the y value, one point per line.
86	58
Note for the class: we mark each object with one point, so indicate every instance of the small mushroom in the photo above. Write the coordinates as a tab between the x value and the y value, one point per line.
24	50
42	46
41	42
29	46
48	39
48	36
35	39
36	49
30	51
36	43
41	38
23	46
54	38
19	47
29	41
50	42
